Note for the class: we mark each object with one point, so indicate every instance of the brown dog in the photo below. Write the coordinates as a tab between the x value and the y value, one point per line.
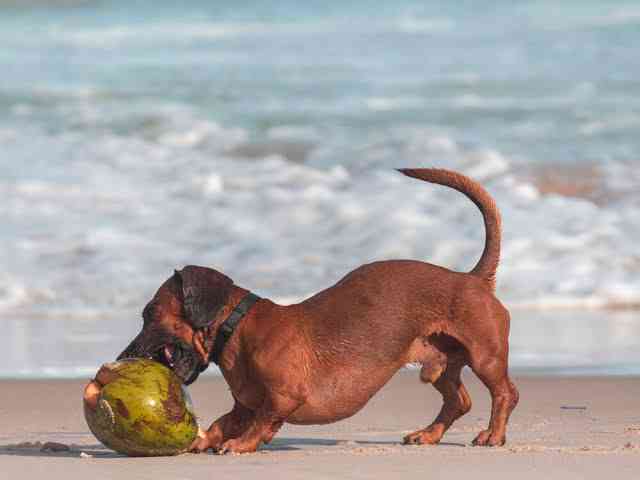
321	360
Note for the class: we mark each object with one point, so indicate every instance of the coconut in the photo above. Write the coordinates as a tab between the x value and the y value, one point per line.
139	407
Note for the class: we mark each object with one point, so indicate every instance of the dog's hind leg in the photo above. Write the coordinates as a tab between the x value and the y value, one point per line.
455	396
489	361
504	398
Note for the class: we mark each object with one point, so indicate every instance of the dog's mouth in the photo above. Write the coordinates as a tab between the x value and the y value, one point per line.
176	355
182	359
168	355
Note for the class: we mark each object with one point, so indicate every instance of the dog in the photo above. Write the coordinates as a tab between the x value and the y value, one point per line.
321	360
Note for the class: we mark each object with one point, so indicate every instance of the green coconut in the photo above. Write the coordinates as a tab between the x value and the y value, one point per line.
139	407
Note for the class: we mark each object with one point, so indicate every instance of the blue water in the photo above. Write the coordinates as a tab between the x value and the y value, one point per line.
259	137
539	81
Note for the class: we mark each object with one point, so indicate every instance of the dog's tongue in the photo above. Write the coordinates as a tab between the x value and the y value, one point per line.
168	354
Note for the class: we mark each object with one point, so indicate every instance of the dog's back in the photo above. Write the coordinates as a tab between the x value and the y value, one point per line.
394	287
385	314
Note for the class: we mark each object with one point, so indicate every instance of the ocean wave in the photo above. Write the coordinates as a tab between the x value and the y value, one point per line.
608	18
418	24
187	31
114	36
395	103
135	209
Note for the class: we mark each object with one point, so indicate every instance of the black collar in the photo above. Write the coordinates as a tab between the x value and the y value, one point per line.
227	327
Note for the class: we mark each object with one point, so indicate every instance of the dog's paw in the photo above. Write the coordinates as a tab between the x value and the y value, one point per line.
426	436
199	445
237	446
487	439
203	442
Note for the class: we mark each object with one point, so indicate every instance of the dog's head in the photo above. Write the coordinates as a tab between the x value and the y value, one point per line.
177	321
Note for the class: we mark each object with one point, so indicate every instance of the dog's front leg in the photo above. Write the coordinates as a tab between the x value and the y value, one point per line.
265	424
227	426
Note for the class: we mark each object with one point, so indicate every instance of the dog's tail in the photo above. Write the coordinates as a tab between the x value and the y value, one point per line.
488	263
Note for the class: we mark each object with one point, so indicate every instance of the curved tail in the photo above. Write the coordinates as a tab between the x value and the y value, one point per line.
488	263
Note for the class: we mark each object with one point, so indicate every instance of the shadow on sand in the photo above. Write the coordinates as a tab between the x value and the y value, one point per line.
98	451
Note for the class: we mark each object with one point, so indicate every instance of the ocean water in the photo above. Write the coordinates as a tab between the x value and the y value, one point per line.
260	138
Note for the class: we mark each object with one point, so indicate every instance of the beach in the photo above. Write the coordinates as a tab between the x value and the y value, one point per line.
564	427
261	139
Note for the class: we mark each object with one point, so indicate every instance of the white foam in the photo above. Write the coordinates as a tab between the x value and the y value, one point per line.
441	143
611	124
139	206
187	133
213	185
484	164
294	132
613	17
12	295
415	24
382	104
188	31
109	37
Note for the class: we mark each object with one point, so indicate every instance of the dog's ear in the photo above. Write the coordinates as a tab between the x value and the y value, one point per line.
205	291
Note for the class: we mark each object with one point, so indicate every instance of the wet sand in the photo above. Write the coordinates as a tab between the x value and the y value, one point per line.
564	427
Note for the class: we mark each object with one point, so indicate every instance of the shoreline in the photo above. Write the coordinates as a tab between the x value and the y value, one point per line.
548	343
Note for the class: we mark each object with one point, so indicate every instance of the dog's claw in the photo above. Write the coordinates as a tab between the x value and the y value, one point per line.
235	446
422	437
486	439
201	443
198	446
226	448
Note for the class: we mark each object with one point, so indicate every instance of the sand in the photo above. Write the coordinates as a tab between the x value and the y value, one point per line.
580	427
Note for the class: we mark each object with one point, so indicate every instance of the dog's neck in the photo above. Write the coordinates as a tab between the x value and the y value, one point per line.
240	304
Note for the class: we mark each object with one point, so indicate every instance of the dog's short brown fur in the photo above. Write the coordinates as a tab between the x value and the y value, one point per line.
321	360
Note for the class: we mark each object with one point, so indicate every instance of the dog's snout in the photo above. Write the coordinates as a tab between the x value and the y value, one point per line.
136	349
